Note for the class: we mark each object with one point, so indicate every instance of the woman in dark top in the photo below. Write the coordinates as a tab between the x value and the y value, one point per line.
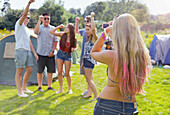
68	44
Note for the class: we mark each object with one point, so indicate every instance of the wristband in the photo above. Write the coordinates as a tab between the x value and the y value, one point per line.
103	36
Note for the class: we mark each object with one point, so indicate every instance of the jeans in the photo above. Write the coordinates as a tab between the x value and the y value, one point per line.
112	107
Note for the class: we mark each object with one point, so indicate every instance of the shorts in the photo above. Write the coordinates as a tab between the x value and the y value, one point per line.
49	62
112	107
23	58
87	64
64	56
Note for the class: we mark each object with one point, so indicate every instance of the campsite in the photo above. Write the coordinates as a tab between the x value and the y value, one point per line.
155	32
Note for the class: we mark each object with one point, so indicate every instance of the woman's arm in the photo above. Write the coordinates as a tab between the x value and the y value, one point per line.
53	31
95	37
102	56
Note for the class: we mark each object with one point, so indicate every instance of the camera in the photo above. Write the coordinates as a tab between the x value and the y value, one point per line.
105	25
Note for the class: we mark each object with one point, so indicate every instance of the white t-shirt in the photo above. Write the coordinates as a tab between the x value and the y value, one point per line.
22	36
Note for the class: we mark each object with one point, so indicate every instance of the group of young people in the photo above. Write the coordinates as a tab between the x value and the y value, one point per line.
128	63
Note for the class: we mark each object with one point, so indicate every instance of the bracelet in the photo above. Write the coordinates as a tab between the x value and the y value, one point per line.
103	36
29	2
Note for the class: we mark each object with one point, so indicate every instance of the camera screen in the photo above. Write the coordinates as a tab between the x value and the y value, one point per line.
105	25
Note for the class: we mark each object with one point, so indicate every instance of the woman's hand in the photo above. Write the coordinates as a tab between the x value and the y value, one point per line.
82	66
92	14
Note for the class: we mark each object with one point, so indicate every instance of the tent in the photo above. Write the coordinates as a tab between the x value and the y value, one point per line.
160	49
7	64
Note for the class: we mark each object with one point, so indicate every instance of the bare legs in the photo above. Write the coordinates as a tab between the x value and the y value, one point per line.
60	73
39	79
18	76
89	76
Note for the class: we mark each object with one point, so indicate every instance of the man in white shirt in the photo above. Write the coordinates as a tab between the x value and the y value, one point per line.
23	56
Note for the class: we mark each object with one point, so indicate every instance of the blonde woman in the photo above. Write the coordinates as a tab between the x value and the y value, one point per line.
128	65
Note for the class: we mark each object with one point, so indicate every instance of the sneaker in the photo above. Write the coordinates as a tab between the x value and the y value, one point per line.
50	88
85	92
40	89
27	91
70	92
23	95
58	92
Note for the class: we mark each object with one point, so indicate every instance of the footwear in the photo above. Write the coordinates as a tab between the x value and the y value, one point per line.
70	92
87	96
40	89
58	92
27	91
50	88
94	99
23	95
85	92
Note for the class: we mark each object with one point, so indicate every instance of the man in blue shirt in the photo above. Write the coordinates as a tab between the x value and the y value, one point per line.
46	44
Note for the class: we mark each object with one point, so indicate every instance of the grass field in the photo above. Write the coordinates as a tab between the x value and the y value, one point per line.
156	101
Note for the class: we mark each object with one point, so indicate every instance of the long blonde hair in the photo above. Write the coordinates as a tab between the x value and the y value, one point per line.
132	60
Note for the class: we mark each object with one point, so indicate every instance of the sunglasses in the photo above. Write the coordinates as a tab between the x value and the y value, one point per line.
46	18
86	21
28	17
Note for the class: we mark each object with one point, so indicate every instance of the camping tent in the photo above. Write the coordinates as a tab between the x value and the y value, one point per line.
7	64
160	49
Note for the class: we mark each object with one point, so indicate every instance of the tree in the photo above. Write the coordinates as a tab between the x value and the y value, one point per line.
6	6
141	13
97	7
10	18
75	11
56	12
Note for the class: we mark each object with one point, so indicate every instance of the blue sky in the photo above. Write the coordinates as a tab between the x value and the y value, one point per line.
155	6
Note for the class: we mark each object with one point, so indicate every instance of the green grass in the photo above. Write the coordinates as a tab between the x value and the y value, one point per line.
156	100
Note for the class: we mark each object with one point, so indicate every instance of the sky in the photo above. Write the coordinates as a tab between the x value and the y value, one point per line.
155	6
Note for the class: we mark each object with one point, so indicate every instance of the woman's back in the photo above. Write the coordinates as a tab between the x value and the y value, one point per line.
112	90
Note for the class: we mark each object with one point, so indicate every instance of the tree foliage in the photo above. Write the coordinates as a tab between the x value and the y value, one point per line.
105	12
56	12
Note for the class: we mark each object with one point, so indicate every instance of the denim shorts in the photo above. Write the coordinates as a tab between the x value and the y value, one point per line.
112	107
23	58
45	61
64	56
87	64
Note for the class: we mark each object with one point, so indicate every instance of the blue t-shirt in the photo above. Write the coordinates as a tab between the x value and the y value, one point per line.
83	33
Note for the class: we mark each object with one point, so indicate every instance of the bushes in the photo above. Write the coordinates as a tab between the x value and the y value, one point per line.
4	32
